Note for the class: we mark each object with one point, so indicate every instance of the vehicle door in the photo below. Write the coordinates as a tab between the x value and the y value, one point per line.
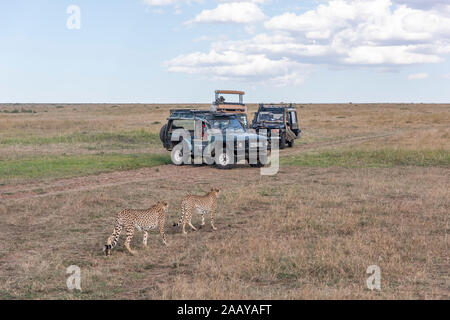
200	137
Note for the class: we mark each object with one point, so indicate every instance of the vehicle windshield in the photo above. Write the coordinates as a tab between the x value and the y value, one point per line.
227	124
270	116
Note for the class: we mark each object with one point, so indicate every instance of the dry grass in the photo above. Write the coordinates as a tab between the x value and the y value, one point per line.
416	125
278	238
307	233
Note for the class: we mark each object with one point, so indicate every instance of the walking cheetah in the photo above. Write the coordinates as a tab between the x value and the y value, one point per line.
145	220
202	204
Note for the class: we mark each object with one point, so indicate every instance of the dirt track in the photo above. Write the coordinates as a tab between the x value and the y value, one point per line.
60	186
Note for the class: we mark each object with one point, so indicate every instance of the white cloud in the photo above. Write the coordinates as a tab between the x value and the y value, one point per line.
364	20
233	12
341	33
236	66
422	4
321	22
378	55
418	76
368	32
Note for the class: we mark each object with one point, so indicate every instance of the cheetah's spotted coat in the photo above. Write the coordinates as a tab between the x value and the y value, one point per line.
145	220
202	204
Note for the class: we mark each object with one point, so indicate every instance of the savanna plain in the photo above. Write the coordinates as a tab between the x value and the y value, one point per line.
366	184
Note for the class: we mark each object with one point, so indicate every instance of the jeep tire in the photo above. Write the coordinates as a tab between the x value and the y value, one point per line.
162	134
259	164
178	157
291	143
224	159
282	141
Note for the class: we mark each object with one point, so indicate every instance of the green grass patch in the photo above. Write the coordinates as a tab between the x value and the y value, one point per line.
370	158
22	110
130	137
287	276
71	166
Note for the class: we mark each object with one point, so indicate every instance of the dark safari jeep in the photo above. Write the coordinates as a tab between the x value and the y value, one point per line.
209	135
279	119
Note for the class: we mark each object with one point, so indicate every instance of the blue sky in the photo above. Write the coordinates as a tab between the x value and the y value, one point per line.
180	51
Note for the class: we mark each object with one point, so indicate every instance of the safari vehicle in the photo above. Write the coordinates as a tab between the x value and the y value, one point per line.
280	119
230	101
198	124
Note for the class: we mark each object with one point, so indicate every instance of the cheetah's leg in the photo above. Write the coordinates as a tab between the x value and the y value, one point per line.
187	217
183	216
130	231
203	218
161	231
183	205
144	240
212	211
190	225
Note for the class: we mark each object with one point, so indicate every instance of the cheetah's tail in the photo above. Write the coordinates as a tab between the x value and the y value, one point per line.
113	239
107	249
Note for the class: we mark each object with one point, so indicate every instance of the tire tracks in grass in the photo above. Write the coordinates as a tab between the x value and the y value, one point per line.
104	180
346	141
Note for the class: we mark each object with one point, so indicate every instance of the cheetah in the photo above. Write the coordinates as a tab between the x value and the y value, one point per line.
202	204
145	220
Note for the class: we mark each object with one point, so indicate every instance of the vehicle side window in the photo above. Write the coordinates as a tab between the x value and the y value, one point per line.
293	117
183	124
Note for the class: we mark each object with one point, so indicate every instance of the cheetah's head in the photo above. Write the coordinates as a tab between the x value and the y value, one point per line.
216	191
164	205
